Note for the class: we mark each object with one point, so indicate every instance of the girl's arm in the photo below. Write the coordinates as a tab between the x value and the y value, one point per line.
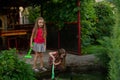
45	43
52	55
57	63
45	37
31	38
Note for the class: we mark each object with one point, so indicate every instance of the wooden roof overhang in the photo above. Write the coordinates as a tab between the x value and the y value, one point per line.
13	3
16	3
5	5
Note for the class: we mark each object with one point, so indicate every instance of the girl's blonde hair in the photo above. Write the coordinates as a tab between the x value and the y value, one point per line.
61	51
36	27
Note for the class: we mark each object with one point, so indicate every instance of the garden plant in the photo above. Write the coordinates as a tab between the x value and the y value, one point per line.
13	68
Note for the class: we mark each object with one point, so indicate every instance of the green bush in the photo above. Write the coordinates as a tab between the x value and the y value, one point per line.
100	51
12	68
105	20
114	52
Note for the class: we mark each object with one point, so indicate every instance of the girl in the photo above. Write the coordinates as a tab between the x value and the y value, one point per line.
39	38
58	58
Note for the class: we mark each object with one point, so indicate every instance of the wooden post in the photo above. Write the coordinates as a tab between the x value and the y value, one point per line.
79	29
58	39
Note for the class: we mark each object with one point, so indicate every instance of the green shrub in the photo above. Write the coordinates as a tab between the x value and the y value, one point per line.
12	68
114	54
100	51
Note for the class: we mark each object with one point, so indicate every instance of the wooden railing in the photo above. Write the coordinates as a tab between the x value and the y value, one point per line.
19	34
13	33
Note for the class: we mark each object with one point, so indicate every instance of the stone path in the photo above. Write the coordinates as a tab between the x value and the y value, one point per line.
71	60
74	63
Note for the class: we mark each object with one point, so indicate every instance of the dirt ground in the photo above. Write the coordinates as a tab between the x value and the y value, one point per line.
71	60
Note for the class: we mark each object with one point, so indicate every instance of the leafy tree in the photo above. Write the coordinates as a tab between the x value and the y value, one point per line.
114	52
101	42
60	12
88	19
102	26
34	12
105	20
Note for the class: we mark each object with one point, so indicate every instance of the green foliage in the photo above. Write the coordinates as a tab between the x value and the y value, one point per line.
12	68
95	40
116	3
55	11
93	31
34	12
96	37
88	18
60	12
57	1
105	19
100	51
114	53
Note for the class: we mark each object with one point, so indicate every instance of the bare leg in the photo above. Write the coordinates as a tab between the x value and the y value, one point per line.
41	59
41	62
35	60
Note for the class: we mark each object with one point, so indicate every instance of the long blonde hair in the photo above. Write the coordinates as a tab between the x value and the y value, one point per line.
36	27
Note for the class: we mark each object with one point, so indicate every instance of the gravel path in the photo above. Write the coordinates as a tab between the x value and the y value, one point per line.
72	60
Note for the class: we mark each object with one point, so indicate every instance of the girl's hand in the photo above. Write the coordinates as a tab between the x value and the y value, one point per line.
52	56
53	60
31	45
45	47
